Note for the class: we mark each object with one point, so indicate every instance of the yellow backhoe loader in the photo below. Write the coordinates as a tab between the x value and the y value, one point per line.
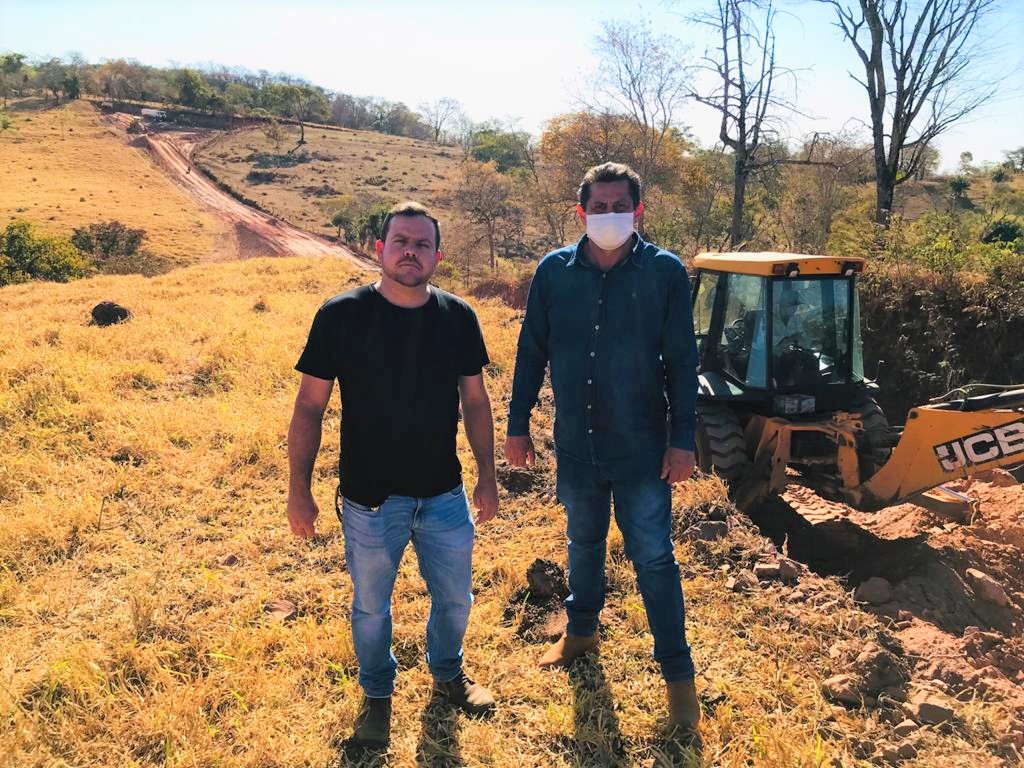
783	391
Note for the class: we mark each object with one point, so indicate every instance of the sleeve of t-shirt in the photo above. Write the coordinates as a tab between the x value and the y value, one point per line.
474	351
318	358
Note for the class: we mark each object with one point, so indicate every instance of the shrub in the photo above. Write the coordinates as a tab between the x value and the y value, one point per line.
108	240
959	185
1003	231
26	255
260	177
116	249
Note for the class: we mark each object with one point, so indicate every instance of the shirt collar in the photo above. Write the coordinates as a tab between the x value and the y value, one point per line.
635	257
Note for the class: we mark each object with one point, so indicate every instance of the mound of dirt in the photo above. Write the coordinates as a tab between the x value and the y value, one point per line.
956	599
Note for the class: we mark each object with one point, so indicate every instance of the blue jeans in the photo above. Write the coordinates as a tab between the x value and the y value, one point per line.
441	529
643	512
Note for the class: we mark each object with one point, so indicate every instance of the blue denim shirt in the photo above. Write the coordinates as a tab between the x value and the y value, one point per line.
622	352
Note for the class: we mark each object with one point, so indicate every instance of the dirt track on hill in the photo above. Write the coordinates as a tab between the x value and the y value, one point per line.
256	233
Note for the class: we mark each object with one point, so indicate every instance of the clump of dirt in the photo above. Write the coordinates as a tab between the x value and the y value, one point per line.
537	607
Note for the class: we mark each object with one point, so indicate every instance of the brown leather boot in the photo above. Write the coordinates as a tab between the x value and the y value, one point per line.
373	724
683	707
472	698
568	648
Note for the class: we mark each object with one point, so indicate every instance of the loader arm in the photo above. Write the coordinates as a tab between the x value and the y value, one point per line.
940	444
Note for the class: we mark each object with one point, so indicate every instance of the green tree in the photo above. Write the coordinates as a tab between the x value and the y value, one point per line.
506	149
71	86
11	66
50	76
301	102
193	90
26	255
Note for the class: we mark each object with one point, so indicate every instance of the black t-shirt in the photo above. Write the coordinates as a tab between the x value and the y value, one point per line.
398	370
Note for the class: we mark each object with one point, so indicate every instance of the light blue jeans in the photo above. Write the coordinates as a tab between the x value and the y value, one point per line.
442	531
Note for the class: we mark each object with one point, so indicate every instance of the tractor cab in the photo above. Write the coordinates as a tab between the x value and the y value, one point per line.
779	330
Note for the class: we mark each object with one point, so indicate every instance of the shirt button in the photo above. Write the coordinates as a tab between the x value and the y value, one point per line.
590	431
597	327
600	301
603	276
593	353
589	406
590	381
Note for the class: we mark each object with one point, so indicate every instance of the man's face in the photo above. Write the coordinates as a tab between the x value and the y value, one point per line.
409	256
609	197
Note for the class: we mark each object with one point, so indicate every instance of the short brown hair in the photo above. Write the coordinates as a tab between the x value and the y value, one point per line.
410	208
610	172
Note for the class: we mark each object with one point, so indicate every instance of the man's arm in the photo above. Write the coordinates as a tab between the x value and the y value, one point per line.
679	354
531	360
304	434
476	414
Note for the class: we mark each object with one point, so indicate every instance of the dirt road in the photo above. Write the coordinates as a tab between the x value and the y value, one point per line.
256	233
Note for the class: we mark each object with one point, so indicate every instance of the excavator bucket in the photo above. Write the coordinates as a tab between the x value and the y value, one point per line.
944	442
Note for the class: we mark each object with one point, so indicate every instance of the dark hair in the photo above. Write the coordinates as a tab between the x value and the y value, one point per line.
410	209
610	172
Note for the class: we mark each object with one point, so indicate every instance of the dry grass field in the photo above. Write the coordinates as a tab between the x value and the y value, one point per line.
143	537
63	168
331	163
917	198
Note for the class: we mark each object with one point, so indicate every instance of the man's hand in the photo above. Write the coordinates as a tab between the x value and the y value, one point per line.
302	514
677	465
485	499
519	451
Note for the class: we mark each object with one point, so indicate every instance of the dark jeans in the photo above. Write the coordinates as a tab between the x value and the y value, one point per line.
643	512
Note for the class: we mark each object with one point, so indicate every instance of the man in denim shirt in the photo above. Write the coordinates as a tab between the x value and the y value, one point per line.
612	316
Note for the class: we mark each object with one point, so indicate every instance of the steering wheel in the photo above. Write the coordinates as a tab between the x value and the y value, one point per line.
735	331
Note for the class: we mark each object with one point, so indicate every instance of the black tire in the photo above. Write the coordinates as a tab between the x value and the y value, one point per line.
721	447
874	444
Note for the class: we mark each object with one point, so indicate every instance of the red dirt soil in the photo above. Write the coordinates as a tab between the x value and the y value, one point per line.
958	640
256	233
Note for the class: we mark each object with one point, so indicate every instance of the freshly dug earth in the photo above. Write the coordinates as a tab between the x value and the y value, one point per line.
951	591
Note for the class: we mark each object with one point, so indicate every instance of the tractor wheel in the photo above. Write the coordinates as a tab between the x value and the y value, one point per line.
874	444
721	447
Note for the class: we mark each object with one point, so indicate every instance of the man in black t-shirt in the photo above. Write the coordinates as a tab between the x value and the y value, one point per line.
404	353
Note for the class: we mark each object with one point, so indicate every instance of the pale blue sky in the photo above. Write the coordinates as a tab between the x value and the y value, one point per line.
499	59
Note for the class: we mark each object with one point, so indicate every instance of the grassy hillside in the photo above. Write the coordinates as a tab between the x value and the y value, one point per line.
916	198
332	163
142	489
63	168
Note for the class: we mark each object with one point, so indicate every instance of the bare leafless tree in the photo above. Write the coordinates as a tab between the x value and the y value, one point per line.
439	113
644	76
920	75
746	92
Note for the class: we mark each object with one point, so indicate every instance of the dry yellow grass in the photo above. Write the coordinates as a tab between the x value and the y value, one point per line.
63	168
341	161
133	458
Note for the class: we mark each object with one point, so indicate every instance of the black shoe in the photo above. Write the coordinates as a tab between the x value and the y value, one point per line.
373	724
470	697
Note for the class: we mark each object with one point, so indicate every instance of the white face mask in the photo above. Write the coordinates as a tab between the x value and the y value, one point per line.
610	230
